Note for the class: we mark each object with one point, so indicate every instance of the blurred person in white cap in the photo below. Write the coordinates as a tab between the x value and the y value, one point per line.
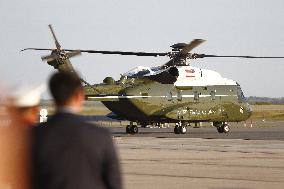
23	104
21	108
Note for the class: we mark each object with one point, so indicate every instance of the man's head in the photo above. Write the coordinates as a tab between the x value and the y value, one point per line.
66	89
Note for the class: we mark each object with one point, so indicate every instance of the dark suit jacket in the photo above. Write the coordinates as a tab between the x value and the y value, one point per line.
70	153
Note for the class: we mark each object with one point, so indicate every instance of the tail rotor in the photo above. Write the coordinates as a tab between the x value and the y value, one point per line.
58	46
59	58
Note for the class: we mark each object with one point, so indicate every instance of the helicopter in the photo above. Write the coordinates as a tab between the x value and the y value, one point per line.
174	92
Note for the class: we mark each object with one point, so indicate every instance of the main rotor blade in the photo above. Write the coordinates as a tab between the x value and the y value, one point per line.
122	52
220	56
149	54
58	46
73	53
37	49
194	43
103	52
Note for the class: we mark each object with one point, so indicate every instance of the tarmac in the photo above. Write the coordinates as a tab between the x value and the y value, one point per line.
247	157
268	130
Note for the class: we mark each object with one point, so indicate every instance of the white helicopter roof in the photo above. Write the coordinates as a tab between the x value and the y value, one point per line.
188	76
193	76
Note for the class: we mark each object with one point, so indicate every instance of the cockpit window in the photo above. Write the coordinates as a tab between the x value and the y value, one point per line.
155	69
141	73
138	72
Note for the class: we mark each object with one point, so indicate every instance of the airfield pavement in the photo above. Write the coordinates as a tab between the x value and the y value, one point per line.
250	156
247	157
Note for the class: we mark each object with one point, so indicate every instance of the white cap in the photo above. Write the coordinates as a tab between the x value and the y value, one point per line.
26	96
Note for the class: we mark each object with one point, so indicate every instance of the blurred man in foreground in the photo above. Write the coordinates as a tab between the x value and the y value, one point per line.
68	152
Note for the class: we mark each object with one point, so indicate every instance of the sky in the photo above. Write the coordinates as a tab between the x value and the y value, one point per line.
239	27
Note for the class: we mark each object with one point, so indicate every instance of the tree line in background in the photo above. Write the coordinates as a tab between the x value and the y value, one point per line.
253	100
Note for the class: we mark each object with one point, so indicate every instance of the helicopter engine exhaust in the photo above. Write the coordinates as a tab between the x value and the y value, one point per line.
173	71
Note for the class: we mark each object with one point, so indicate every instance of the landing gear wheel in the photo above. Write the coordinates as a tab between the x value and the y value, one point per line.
134	129
131	129
176	130
226	128
220	129
182	129
128	129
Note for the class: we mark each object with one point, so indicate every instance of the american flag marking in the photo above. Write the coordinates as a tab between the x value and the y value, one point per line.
190	73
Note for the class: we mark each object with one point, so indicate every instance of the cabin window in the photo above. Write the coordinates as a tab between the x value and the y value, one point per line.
196	95
179	95
169	96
